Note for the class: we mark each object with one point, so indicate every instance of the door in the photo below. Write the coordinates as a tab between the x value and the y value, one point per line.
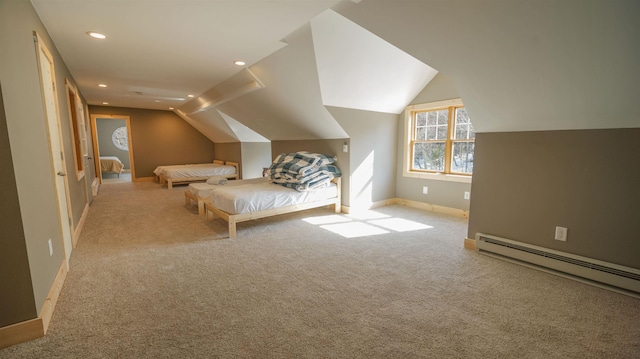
47	81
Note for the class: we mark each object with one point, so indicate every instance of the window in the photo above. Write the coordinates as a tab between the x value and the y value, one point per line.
440	140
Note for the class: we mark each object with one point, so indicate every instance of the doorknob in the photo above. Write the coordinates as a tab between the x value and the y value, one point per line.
61	174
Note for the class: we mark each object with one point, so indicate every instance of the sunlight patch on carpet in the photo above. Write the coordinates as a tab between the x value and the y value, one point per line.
354	229
364	223
399	224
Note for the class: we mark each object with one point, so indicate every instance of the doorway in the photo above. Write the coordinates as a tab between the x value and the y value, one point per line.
113	149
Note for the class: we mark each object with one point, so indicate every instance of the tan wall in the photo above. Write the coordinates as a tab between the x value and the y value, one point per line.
527	183
231	151
161	138
30	152
372	155
13	251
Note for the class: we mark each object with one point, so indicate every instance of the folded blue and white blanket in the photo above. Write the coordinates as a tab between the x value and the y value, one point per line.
299	163
303	170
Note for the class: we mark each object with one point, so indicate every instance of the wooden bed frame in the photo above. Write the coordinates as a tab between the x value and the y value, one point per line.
232	219
201	201
170	182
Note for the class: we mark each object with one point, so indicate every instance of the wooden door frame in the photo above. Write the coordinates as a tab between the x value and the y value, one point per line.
96	148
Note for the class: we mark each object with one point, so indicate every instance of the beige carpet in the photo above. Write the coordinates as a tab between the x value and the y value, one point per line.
152	279
109	178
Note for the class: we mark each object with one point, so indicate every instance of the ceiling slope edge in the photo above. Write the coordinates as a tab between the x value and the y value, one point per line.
242	132
243	83
213	130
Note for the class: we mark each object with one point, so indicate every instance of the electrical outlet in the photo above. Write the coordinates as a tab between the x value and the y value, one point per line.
425	190
50	248
561	234
467	195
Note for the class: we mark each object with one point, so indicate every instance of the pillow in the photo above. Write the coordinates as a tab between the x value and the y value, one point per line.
216	180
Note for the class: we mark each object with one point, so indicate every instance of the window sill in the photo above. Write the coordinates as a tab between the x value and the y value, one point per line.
438	176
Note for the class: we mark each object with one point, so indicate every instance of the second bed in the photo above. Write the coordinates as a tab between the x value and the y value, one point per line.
195	172
251	199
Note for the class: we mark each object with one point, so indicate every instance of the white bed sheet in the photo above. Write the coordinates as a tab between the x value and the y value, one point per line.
201	189
111	164
253	197
194	170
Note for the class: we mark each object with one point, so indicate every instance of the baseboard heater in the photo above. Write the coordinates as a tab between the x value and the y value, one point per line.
610	276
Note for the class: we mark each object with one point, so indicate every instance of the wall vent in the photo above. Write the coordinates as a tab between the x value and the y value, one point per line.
611	276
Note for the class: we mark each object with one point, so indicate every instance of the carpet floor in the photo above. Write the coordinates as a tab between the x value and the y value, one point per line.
152	279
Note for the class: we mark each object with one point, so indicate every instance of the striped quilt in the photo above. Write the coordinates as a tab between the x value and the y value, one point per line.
303	171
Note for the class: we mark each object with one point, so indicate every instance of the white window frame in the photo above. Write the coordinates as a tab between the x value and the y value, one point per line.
408	123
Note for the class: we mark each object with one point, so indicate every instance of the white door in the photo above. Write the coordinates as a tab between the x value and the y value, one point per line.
47	76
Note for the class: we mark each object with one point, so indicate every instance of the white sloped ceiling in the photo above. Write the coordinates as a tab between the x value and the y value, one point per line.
329	62
359	70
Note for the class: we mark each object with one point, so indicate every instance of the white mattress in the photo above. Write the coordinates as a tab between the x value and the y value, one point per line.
194	170
202	189
253	197
111	164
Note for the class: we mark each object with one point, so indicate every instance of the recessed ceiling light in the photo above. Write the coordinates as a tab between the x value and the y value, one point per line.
157	101
170	108
96	35
102	85
105	103
239	63
190	96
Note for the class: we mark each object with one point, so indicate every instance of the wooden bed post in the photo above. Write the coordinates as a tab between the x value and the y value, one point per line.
338	206
232	228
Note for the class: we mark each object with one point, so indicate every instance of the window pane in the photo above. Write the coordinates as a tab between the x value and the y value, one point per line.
462	131
432	118
462	116
429	156
462	160
421	133
421	119
464	128
443	117
442	133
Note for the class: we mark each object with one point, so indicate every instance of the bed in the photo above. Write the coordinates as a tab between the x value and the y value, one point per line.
244	202
195	172
111	164
198	192
297	181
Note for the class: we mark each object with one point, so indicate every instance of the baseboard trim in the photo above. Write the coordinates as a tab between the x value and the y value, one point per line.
413	204
95	186
78	229
432	207
21	332
37	327
52	297
470	244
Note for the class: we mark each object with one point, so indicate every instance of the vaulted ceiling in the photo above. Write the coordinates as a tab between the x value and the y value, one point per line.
518	65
